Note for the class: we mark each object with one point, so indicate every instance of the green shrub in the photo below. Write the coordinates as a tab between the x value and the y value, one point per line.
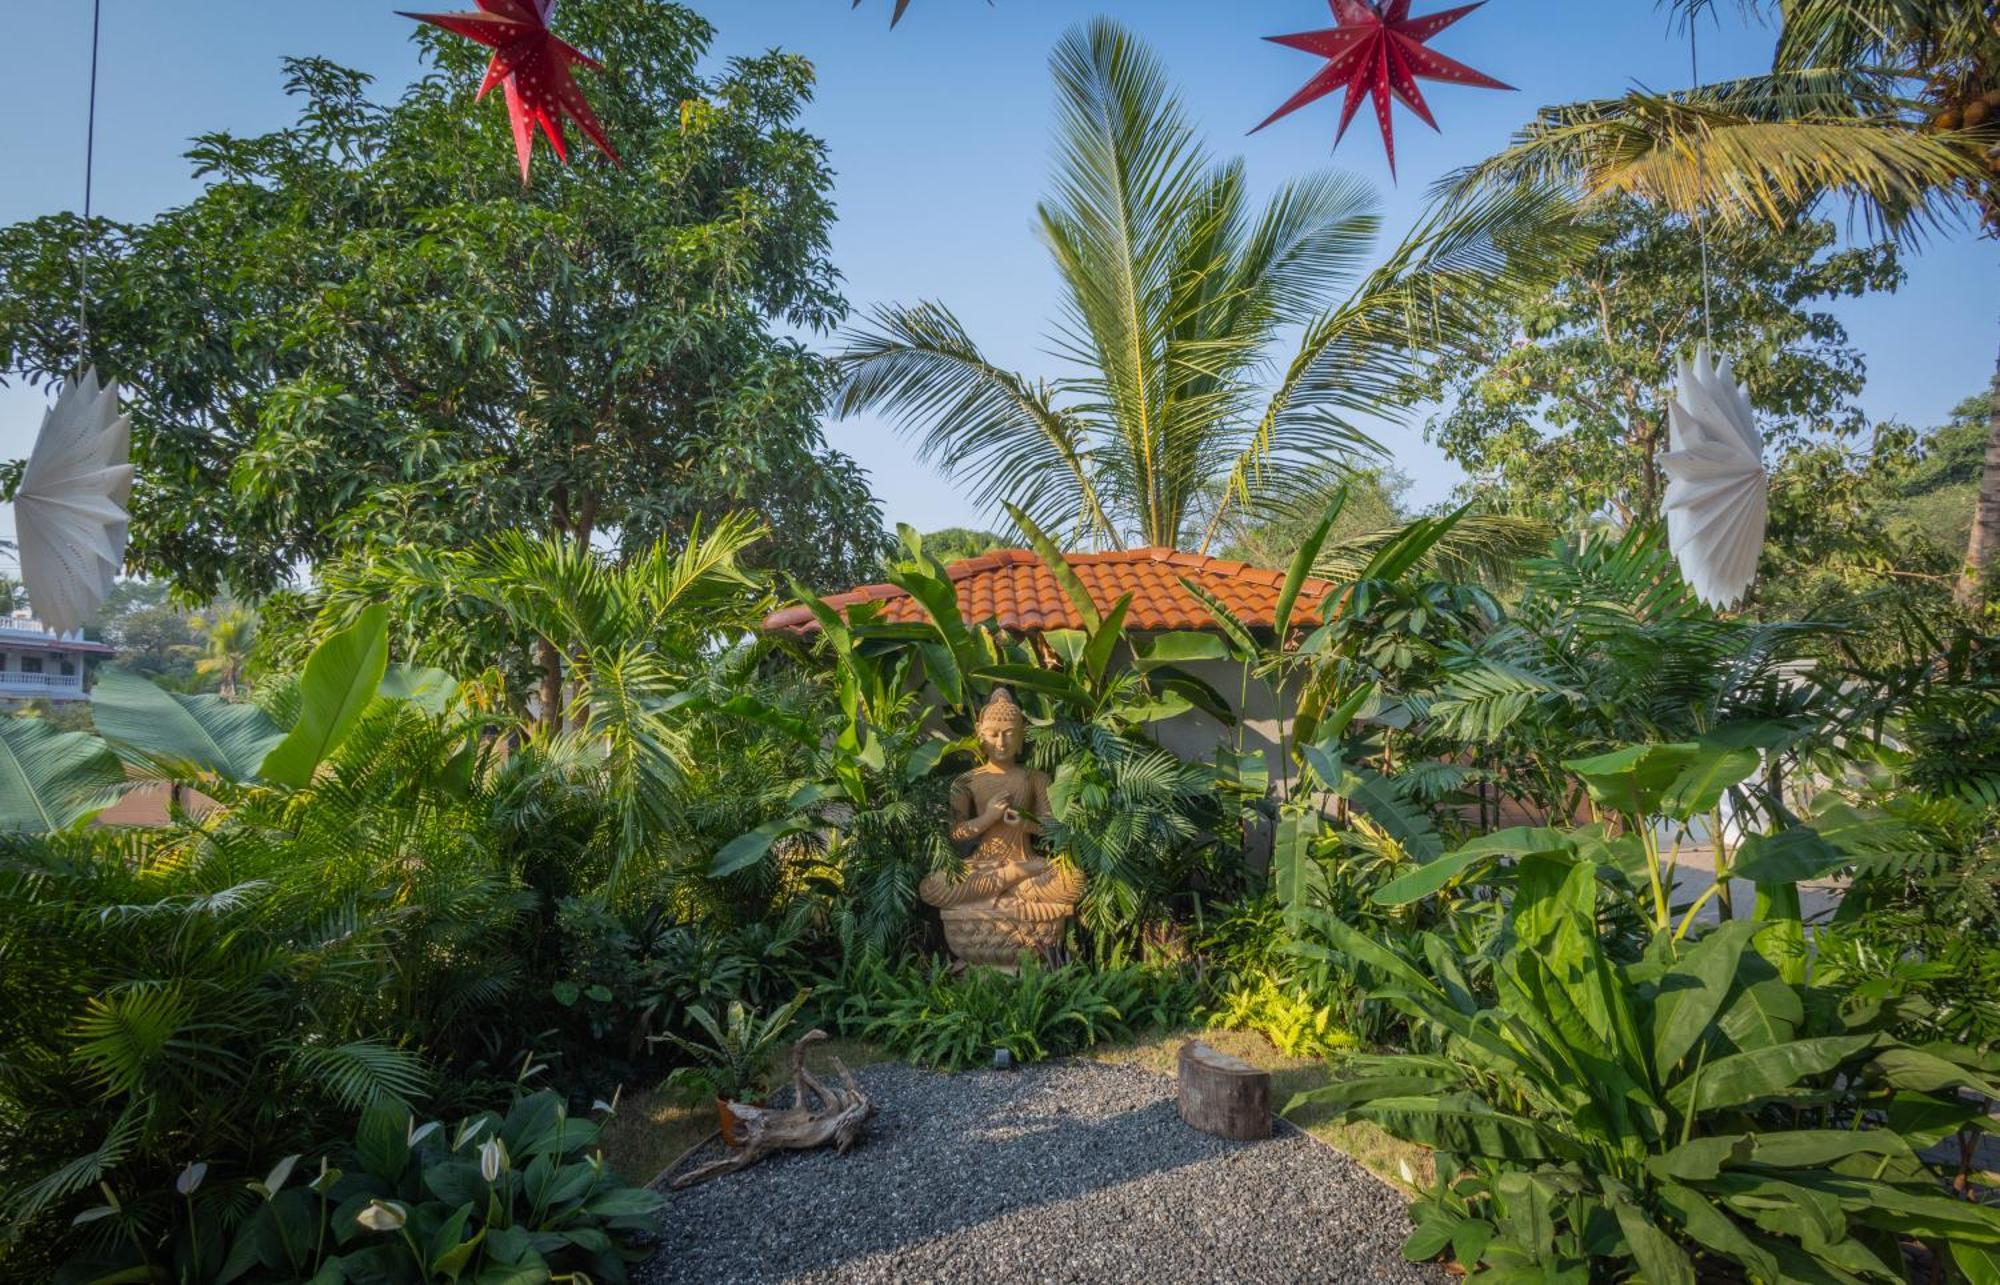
230	989
492	1198
927	1014
1599	1117
733	1058
1283	1013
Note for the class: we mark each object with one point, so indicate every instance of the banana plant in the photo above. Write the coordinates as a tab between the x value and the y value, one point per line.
218	746
878	669
1694	1108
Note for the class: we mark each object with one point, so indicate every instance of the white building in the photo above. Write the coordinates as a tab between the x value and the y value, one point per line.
37	663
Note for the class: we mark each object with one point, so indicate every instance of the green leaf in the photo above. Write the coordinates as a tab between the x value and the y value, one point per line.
49	780
1104	641
1225	619
1709	773
746	850
1783	939
1052	557
1180	649
1424	880
363	1071
1435	875
1431	1238
1818	1148
1464	1125
341	678
1702	1159
1980	1263
449	1249
1328	729
430	690
1050	682
1692	993
1743	1078
1710	1227
1386	806
1407	550
1660	1260
205	733
1247	773
1293	871
922	762
1766	1010
1302	565
1519	841
1196	691
1631	781
1923	1072
382	1139
1797	855
1924	1121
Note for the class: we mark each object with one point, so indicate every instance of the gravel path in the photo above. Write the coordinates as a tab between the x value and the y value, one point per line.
1070	1171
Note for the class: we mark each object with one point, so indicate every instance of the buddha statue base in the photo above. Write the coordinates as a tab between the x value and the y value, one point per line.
991	935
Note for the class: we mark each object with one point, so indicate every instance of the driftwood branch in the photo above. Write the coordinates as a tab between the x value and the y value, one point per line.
819	1116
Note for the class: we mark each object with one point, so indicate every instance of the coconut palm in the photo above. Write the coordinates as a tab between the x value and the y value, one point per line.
1178	409
1894	104
227	636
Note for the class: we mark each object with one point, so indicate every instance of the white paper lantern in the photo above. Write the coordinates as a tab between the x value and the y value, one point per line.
69	511
1717	500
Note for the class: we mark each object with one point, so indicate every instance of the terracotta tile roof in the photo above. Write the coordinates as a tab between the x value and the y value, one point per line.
1011	589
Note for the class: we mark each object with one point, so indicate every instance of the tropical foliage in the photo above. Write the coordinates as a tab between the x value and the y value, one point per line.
404	348
516	801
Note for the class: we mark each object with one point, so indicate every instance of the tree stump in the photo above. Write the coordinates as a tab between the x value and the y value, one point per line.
820	1116
1224	1095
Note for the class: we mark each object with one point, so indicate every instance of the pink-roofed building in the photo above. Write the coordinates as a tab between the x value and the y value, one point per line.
37	663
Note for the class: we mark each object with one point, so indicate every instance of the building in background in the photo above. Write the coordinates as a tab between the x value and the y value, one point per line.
38	664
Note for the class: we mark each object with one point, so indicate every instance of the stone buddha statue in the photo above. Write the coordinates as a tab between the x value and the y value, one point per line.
1010	898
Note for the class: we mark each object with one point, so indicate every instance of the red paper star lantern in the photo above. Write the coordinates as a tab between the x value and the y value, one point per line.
1379	51
533	65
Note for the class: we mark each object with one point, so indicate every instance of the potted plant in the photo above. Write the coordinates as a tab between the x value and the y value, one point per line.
732	1063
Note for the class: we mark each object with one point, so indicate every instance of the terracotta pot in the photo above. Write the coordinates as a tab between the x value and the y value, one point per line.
728	1122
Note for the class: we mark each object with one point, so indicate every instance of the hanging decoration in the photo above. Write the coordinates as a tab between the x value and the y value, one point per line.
70	519
69	510
1717	491
1717	501
1379	51
532	64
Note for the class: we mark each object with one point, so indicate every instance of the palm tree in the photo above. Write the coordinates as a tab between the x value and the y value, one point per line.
228	634
634	639
1176	294
1894	104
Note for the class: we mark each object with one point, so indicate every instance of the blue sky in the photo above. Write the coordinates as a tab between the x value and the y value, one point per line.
940	138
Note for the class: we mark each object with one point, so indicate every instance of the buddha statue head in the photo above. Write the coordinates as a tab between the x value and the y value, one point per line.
1003	729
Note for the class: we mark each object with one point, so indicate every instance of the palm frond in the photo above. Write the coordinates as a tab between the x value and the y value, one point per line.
79	1173
122	1036
1132	184
977	421
1478	547
1365	357
1762	147
361	1073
